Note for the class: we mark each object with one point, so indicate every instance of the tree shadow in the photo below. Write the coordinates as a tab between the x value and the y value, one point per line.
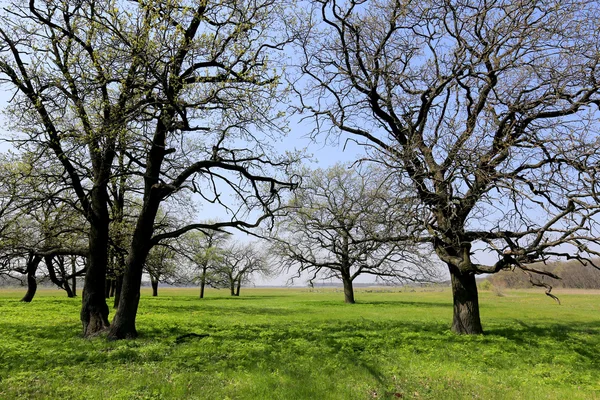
568	334
407	303
223	310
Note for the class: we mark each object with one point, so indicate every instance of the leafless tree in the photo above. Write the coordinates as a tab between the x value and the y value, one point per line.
487	108
337	225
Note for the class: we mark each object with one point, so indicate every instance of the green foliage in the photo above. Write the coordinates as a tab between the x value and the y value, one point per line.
296	344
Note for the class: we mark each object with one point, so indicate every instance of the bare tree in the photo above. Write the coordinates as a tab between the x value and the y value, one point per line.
337	226
486	108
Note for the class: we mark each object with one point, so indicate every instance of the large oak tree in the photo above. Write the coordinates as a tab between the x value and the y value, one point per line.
487	108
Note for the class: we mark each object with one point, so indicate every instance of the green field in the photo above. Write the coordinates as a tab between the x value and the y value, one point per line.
297	344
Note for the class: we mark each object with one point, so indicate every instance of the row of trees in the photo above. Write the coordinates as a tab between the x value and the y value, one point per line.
481	118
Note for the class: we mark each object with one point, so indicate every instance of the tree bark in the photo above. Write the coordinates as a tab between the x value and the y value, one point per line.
107	289
32	265
238	287
118	286
94	310
67	288
466	319
113	287
202	286
123	326
154	283
348	289
232	287
202	283
74	274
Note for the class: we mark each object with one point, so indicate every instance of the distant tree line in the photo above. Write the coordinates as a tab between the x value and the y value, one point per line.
569	274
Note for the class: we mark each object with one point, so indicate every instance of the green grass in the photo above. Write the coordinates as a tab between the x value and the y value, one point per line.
296	344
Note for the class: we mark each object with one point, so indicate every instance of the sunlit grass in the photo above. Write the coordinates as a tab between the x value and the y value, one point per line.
298	344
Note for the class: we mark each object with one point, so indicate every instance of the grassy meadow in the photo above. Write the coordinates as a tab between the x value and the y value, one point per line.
297	344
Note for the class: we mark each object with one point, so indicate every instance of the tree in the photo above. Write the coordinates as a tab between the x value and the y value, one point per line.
184	91
485	108
73	100
337	223
160	265
37	225
208	123
204	251
238	264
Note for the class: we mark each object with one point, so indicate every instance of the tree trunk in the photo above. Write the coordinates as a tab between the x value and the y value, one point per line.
123	325
348	290
94	310
63	282
113	287
67	288
232	287
107	289
202	283
345	271
154	283
118	286
237	289
466	303
64	277
32	265
74	276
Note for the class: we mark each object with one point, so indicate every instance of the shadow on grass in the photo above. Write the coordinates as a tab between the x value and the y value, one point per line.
581	337
172	309
214	298
407	303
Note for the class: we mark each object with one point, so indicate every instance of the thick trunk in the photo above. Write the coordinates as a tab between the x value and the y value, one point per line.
237	289
107	289
123	325
466	303
32	265
154	283
348	290
94	311
232	287
345	272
